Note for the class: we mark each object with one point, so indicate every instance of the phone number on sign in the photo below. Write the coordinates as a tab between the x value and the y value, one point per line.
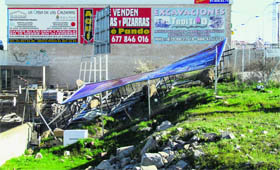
130	39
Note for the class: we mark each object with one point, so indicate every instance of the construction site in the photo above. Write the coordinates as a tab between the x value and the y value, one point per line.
74	73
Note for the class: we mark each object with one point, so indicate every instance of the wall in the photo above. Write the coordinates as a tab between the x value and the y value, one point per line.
14	142
64	59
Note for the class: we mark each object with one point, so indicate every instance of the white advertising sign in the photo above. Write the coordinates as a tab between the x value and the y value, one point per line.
43	25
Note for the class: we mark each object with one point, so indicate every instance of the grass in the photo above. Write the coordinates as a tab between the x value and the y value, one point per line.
252	116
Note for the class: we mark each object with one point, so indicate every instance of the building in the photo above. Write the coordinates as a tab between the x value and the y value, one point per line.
58	35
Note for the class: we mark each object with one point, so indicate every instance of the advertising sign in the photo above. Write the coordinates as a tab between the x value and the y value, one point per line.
87	24
189	25
130	25
211	1
127	25
44	25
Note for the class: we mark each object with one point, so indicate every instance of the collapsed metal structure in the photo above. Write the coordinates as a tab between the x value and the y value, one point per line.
114	96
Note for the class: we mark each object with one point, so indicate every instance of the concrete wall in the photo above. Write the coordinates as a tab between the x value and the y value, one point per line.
64	59
14	142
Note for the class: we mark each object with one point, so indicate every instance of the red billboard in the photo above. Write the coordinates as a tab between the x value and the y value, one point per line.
202	1
127	25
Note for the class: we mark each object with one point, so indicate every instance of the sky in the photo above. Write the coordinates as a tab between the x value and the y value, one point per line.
252	19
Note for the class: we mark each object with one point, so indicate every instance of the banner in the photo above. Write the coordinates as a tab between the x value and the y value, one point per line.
127	25
189	25
130	25
42	25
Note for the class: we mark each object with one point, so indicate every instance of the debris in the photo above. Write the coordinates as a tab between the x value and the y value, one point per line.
66	153
150	144
38	156
58	132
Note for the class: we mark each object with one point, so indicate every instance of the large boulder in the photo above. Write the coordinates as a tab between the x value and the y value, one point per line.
207	76
150	144
152	159
124	151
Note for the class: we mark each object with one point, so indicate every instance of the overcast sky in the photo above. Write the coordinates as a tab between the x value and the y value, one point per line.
252	19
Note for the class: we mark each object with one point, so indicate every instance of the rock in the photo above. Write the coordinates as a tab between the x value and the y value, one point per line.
220	97
129	167
104	165
211	137
187	146
134	128
164	125
227	135
66	153
152	159
250	131
242	136
182	164
207	76
124	151
38	156
150	144
171	155
148	129
58	132
151	167
195	139
197	153
172	144
125	161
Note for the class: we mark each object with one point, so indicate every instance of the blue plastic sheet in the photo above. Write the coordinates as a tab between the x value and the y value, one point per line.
197	61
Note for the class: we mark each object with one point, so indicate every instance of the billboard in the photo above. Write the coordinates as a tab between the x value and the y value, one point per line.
189	25
127	25
211	1
42	25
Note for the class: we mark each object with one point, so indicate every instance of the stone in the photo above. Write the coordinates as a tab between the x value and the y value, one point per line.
129	167
207	76
250	131
152	159
164	125
125	161
38	156
66	153
148	129
150	144
195	139
58	132
197	153
151	167
228	135
125	151
211	137
104	165
172	144
186	146
182	164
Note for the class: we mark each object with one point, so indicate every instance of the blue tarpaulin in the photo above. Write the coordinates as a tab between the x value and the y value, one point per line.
197	61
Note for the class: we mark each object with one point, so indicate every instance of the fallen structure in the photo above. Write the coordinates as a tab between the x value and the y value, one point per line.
113	96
